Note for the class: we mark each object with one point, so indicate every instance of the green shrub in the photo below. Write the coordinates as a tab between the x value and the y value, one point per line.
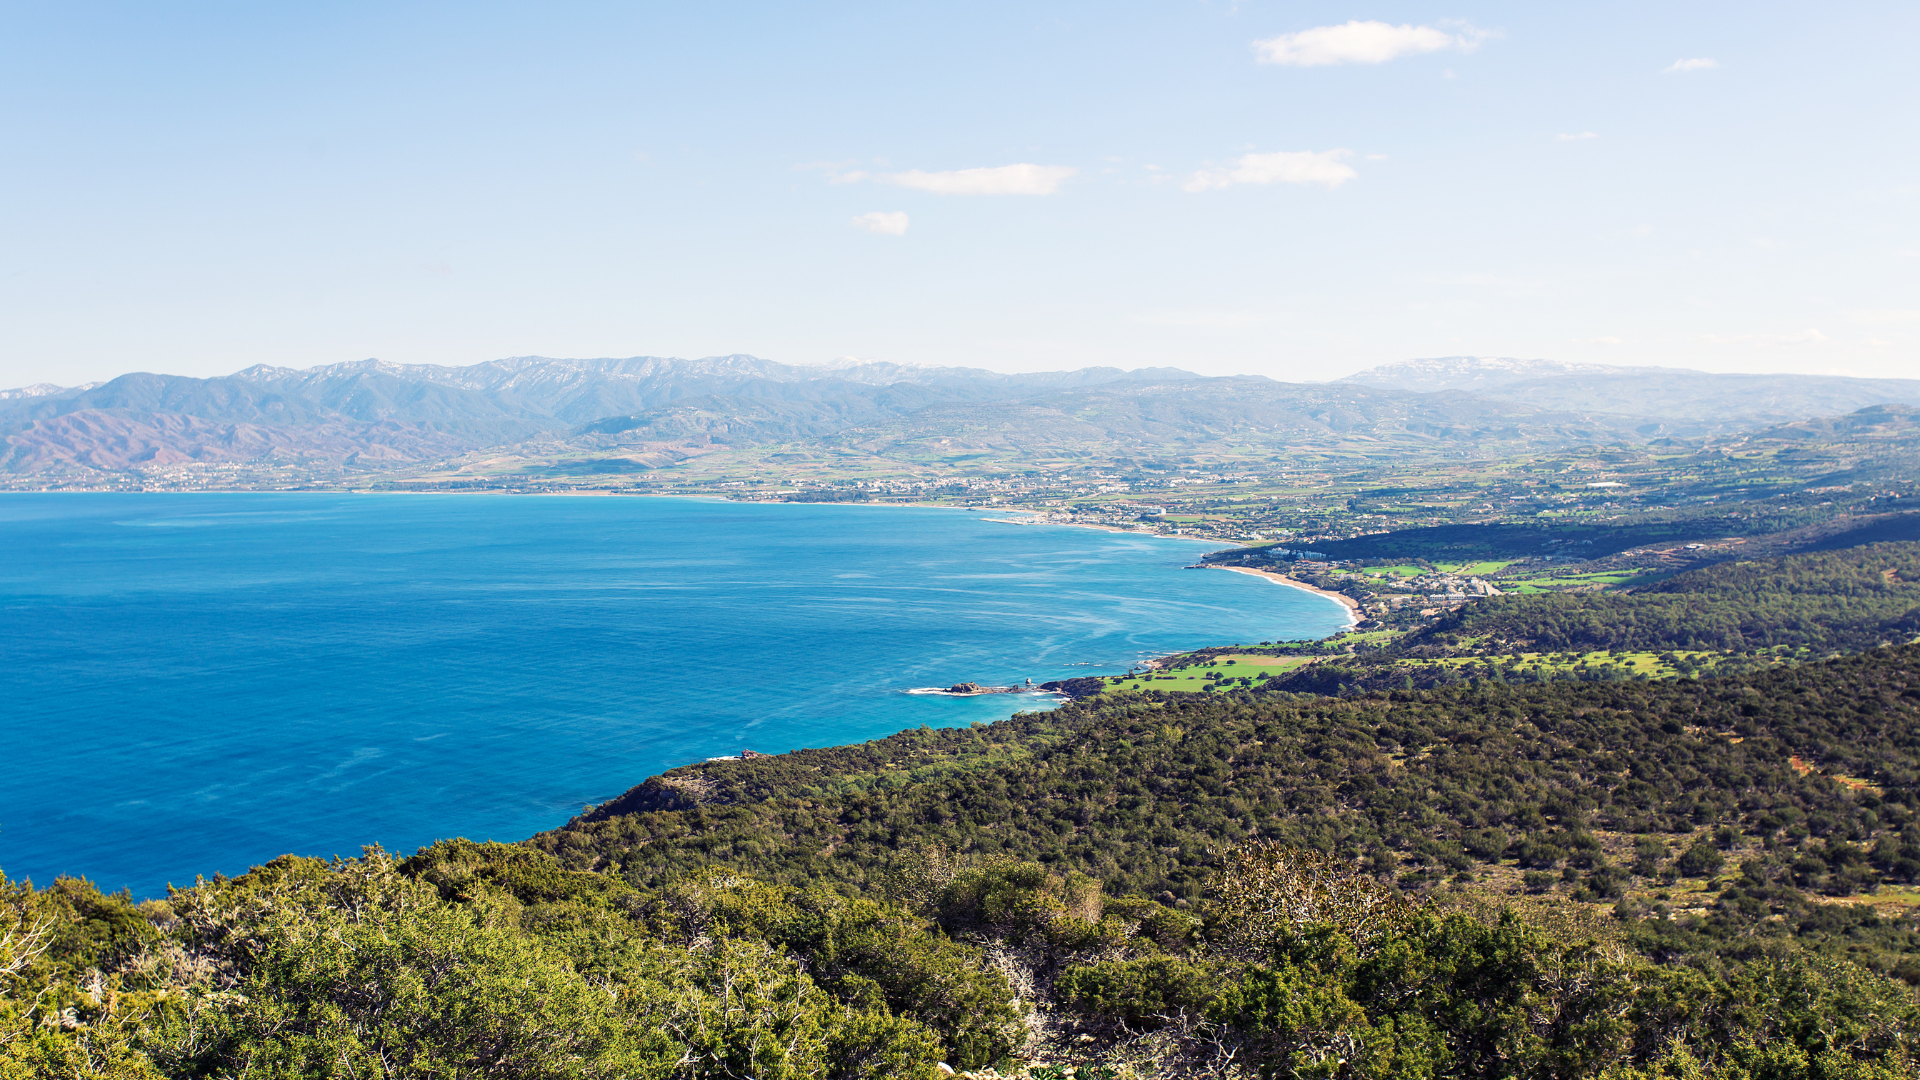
1700	860
1141	992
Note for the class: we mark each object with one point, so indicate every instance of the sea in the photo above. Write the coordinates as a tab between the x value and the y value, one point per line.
193	684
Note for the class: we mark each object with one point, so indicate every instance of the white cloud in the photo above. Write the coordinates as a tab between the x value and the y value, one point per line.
1564	137
1359	42
1020	179
1299	167
1698	63
886	222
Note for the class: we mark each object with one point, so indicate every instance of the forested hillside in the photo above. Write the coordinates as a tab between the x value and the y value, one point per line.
1826	601
492	961
1606	785
1722	619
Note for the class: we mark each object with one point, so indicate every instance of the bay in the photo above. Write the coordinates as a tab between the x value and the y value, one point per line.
197	683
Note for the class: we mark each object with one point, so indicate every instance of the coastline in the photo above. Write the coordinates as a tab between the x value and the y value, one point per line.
1038	516
1348	602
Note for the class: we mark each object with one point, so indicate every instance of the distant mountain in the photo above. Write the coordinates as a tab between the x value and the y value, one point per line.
1724	402
1141	421
1246	410
44	389
99	440
370	412
1876	424
649	410
1474	374
539	389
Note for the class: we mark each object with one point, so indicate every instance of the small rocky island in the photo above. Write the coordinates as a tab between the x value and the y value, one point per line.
974	689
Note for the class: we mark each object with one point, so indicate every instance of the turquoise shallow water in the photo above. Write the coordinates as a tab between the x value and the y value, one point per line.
197	683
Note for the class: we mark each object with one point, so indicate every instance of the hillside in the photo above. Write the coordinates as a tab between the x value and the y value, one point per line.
1827	602
903	416
1733	614
372	415
1145	793
1707	401
113	440
534	418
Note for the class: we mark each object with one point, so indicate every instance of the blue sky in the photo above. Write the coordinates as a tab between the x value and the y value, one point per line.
1299	190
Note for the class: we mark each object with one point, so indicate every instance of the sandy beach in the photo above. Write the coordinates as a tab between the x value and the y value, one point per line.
1352	605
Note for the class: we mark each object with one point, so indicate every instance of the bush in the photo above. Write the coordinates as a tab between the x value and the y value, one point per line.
1141	992
1700	860
1486	845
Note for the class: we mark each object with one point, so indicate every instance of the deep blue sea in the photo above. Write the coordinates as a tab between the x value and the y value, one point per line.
197	683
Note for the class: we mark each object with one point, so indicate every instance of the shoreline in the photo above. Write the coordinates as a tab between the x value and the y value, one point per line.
1038	515
1348	602
1040	518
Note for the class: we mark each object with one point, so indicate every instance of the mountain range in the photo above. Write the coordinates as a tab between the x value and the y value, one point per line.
1742	401
372	415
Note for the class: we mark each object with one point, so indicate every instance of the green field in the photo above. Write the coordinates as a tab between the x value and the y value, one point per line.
1206	677
1355	637
1468	569
1554	582
1476	569
1627	665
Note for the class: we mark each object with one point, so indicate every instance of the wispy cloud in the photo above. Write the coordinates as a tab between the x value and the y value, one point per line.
1359	42
885	222
1284	167
1564	137
1698	63
1022	179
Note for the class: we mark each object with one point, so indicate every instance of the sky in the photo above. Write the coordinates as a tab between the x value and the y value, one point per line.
1296	190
